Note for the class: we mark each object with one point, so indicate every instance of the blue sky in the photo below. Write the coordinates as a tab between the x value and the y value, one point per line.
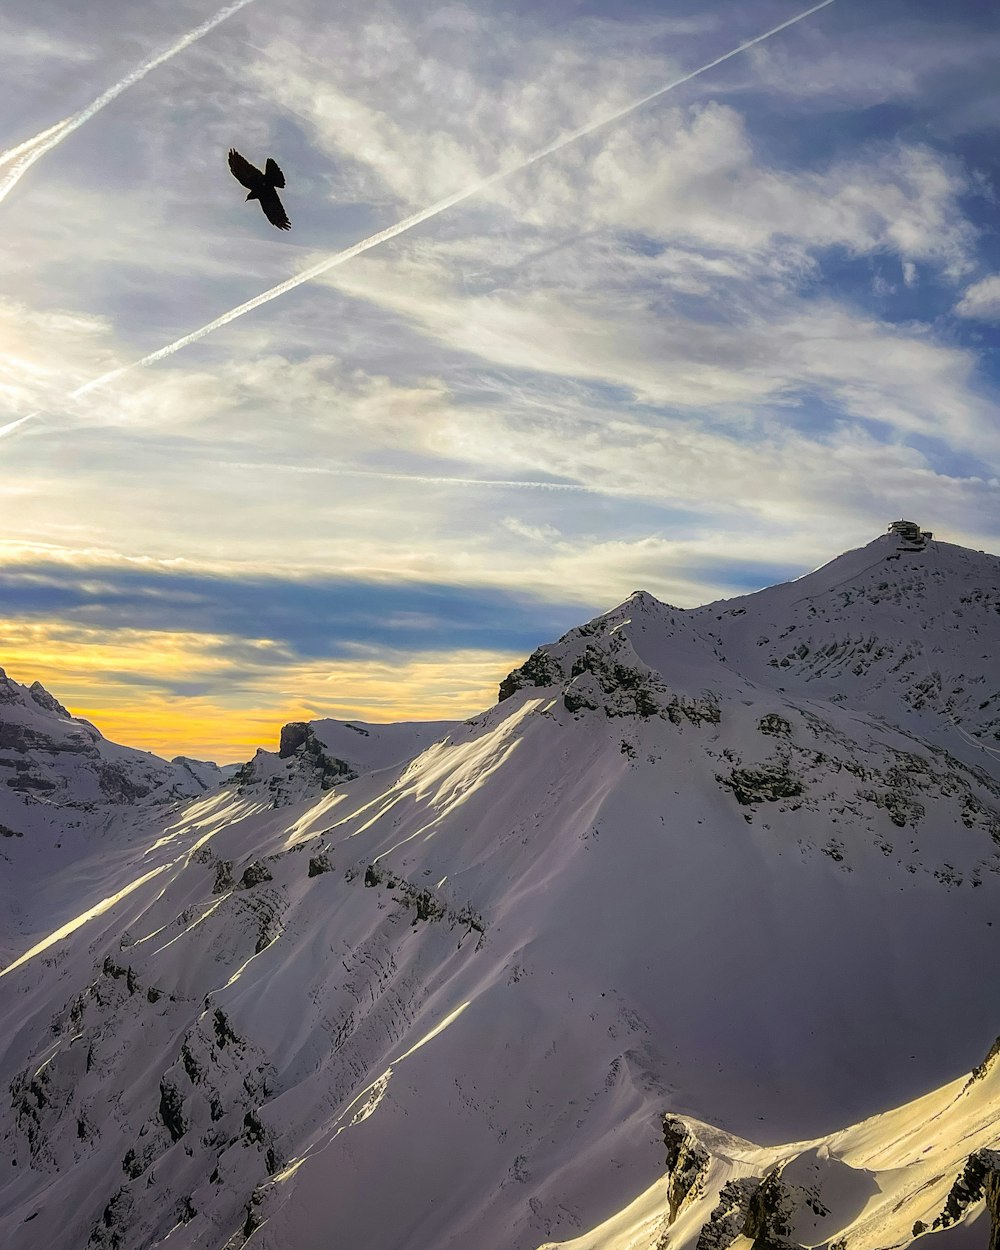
702	349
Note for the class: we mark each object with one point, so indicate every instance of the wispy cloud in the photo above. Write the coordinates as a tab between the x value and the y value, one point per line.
738	322
433	210
16	161
981	300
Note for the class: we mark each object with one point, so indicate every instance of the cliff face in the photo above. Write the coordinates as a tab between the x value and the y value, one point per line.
315	756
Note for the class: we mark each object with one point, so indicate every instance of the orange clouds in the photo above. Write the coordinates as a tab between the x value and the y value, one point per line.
128	684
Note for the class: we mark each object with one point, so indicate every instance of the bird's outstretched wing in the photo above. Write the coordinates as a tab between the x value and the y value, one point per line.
273	174
273	209
243	171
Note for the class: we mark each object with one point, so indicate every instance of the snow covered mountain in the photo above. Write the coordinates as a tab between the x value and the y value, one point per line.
738	867
47	755
62	786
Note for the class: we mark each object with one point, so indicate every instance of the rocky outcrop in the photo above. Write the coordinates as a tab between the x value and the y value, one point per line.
767	784
301	767
979	1179
982	1070
600	672
687	1164
318	864
539	669
730	1214
769	1215
299	742
991	1192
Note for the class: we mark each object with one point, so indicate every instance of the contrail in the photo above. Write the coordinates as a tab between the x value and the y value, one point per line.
13	153
11	426
383	236
339	258
423	479
22	157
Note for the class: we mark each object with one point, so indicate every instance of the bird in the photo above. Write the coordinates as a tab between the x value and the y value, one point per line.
262	187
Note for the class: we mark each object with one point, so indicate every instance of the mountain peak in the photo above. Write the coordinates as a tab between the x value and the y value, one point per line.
45	700
708	878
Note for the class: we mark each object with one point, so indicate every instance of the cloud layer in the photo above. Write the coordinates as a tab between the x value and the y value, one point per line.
704	348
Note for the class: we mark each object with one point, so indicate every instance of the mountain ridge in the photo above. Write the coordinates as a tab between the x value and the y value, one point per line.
479	972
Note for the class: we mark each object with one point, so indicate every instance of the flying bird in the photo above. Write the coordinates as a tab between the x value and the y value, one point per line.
262	187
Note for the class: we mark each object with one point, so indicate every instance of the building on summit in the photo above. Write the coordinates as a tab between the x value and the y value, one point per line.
914	538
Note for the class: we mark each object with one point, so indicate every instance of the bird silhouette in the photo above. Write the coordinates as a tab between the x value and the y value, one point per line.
262	187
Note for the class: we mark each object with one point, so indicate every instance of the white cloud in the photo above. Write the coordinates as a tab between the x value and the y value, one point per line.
769	351
645	315
694	177
981	301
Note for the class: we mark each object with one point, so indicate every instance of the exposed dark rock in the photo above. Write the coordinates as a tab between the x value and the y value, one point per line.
191	1065
246	774
254	874
627	689
14	737
171	1110
319	864
979	1179
114	1227
902	810
223	1029
729	1216
696	711
687	1163
293	735
982	1069
423	900
991	1192
576	699
223	876
299	742
768	1219
26	780
765	784
539	669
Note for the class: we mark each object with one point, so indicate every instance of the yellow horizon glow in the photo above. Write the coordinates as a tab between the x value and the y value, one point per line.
121	682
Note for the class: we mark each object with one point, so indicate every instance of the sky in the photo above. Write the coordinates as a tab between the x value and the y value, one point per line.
699	350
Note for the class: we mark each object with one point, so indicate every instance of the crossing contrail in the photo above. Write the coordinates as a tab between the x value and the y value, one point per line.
13	153
21	158
425	214
407	223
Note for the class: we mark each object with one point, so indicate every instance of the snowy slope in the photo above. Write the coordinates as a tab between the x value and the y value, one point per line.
925	1168
63	788
447	1001
324	753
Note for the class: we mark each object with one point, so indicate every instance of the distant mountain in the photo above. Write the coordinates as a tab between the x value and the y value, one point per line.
49	756
62	786
431	987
